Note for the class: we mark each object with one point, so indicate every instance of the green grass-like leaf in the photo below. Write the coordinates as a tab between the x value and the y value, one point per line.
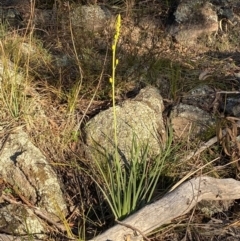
127	186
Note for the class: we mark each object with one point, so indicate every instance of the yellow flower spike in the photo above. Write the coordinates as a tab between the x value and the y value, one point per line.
118	23
112	79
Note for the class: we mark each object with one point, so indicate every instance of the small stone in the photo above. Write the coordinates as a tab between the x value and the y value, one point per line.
91	18
202	96
193	19
190	121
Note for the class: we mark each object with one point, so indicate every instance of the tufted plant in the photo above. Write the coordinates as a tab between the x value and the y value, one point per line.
127	185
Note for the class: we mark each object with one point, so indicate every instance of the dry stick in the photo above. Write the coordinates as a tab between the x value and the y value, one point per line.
228	92
175	204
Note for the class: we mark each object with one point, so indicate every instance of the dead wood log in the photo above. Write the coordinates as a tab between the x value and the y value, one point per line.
172	205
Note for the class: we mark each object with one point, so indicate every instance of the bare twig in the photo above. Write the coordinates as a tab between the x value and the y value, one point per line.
133	228
228	92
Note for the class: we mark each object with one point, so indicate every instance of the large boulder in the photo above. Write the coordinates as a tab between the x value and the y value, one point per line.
139	120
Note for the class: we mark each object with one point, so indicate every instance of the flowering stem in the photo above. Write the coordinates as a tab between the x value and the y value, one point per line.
112	79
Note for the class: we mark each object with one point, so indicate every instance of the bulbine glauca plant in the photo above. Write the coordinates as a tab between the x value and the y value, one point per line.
127	185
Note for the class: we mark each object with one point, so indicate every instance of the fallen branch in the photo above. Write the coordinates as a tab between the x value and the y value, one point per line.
174	204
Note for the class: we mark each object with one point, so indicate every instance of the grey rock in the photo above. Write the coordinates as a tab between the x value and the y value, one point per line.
144	35
9	73
139	118
237	76
202	96
62	60
18	3
190	121
232	106
44	18
211	207
188	10
13	216
194	19
18	13
90	17
228	10
39	57
24	167
226	4
226	13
